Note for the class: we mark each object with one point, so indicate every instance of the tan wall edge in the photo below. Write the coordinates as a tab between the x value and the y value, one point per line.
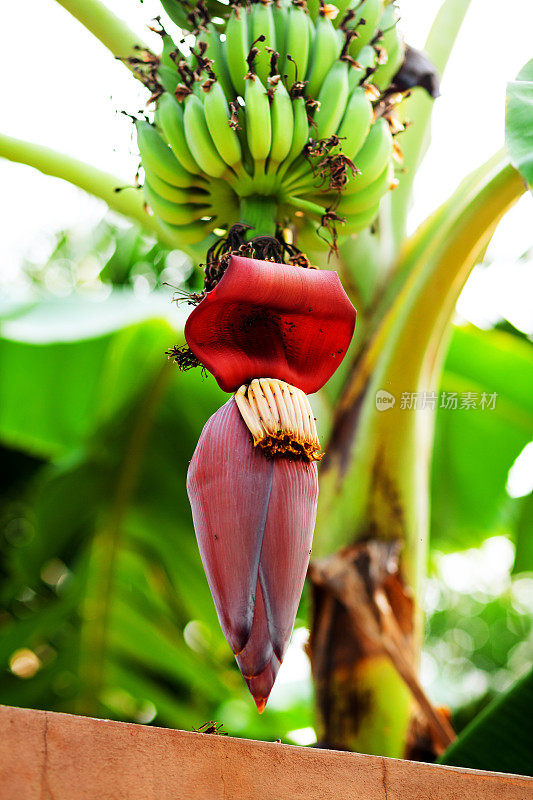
48	756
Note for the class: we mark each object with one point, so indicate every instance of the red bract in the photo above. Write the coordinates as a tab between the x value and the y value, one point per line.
275	320
254	518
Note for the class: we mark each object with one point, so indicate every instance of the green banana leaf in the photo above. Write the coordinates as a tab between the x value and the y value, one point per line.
519	122
475	447
524	536
500	738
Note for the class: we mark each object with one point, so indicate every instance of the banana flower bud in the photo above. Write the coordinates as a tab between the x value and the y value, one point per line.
275	320
254	517
253	481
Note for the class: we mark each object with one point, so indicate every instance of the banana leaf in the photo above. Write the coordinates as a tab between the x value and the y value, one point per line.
519	122
501	737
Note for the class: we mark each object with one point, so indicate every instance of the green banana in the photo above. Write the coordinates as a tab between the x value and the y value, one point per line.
370	11
282	123
177	214
367	60
169	116
230	90
311	31
192	62
386	72
308	240
216	51
281	16
326	50
301	178
181	235
168	78
300	134
315	208
199	139
223	201
332	98
262	25
309	234
372	158
343	6
159	158
173	193
176	11
237	48
168	47
217	117
313	7
392	42
296	44
211	168
366	198
356	122
258	124
358	222
247	160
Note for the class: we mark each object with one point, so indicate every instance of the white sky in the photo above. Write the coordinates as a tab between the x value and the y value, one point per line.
66	91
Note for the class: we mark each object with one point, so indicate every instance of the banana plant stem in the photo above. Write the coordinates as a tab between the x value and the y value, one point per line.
113	32
260	213
375	484
405	355
128	201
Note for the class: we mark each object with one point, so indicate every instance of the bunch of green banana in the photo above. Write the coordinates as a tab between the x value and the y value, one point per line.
286	102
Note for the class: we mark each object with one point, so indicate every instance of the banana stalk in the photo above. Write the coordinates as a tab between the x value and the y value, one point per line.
113	32
260	213
126	200
374	482
101	184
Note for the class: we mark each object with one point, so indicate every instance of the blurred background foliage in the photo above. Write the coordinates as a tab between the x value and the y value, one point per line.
104	608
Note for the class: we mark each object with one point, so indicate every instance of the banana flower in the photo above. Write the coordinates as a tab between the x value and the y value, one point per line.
253	481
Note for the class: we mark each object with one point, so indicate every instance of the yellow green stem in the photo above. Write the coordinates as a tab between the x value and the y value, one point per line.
375	484
113	32
404	356
128	201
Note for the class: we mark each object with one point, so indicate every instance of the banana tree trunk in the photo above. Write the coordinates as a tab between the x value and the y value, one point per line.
366	628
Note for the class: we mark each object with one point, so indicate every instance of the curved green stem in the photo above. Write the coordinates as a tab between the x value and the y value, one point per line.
404	355
375	484
128	201
431	234
113	32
